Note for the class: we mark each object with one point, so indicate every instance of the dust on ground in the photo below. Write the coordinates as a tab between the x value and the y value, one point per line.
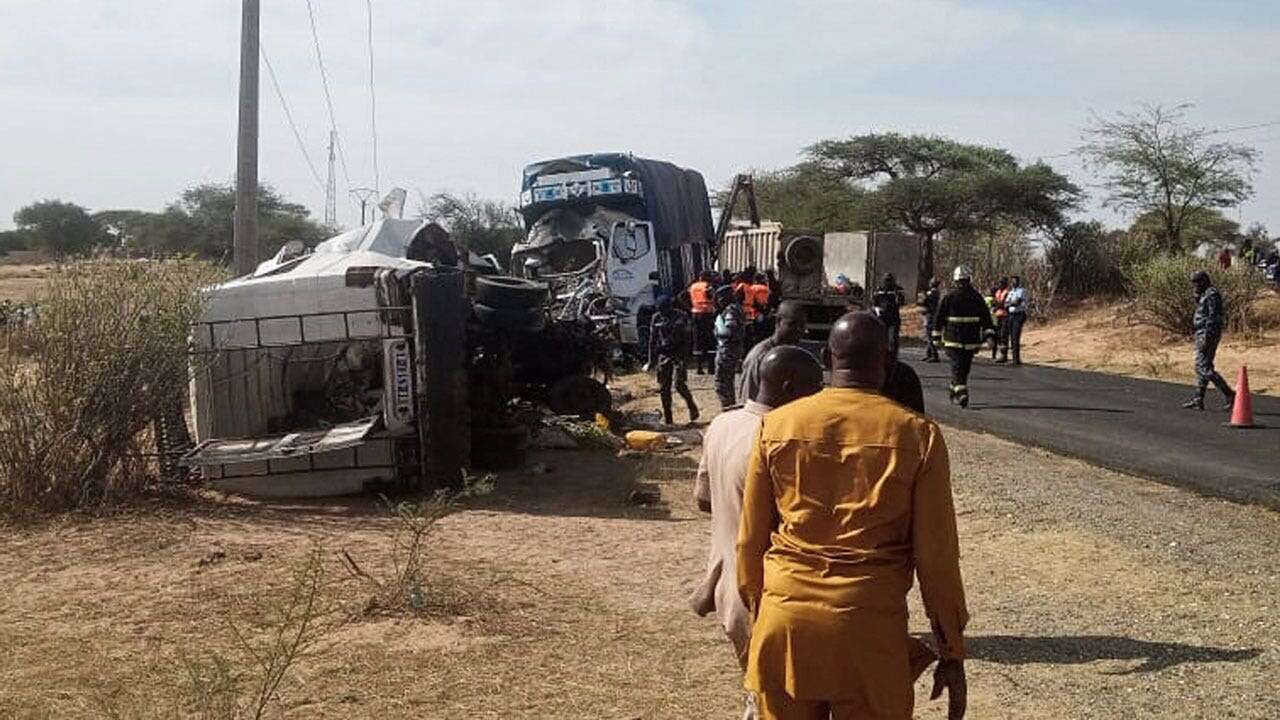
1103	337
1093	595
21	282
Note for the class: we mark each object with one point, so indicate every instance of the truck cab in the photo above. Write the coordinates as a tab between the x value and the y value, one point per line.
609	232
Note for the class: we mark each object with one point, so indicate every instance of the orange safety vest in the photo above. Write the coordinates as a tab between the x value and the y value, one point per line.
760	295
748	300
1001	310
700	298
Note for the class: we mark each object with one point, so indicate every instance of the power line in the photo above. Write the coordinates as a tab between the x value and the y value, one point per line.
1240	128
297	135
373	101
328	96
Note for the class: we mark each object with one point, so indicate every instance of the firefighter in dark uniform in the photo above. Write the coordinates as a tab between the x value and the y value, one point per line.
670	334
887	301
1208	322
929	305
731	344
963	321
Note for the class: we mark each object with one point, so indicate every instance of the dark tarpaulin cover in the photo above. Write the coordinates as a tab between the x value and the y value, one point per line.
675	199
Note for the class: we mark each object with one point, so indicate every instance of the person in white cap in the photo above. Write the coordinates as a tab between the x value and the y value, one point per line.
963	320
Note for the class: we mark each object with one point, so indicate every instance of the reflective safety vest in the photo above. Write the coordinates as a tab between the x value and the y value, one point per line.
962	318
760	295
748	299
1001	310
700	298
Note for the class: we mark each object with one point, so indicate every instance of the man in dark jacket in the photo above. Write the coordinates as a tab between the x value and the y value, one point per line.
731	341
964	320
670	335
929	305
1209	319
887	301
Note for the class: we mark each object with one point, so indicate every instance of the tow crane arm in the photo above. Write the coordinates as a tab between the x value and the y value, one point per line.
742	184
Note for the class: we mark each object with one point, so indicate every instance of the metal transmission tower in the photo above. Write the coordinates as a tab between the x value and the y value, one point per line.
331	188
363	195
245	240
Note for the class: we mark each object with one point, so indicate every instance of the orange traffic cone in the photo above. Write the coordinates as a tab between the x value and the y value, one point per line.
1242	411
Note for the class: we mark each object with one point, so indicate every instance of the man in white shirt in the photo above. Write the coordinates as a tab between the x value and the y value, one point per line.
786	373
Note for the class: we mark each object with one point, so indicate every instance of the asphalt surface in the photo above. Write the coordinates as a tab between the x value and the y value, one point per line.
1126	424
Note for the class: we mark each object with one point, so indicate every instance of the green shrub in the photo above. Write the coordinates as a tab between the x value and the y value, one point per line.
105	353
1162	293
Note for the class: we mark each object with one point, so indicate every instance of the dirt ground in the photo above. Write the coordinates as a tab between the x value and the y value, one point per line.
21	282
1101	337
1093	595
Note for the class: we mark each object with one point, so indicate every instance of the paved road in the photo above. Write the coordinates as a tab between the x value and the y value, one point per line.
1136	426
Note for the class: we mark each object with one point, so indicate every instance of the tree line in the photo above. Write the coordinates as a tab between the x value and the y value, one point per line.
199	223
965	200
1173	179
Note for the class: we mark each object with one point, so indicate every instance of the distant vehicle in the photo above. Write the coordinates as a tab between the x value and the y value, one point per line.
823	271
610	231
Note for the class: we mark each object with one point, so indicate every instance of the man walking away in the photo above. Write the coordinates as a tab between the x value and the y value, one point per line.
1208	322
964	320
1001	315
929	304
788	330
786	374
887	301
731	344
847	492
669	336
1016	303
1224	258
702	303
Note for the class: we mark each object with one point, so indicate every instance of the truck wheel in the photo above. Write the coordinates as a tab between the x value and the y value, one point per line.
579	395
527	319
504	291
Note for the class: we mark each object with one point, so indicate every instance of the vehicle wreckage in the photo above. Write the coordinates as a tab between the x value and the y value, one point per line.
370	360
608	232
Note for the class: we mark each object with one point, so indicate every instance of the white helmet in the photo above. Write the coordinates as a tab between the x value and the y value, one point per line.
963	272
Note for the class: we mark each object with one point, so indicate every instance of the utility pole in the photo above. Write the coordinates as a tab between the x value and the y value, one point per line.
245	243
363	195
331	189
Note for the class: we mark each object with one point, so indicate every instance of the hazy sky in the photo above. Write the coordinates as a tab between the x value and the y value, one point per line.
124	103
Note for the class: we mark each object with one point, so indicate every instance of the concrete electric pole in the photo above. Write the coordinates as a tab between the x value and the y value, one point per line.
245	243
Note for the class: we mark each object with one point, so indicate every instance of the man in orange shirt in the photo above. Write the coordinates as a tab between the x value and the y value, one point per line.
758	296
847	494
703	307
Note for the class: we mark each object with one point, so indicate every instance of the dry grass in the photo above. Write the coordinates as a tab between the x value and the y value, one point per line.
81	384
1105	337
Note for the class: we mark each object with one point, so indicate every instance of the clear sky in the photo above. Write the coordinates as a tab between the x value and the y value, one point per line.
124	103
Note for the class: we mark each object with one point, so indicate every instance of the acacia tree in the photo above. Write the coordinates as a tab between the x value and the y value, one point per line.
1153	162
931	185
61	228
482	226
807	197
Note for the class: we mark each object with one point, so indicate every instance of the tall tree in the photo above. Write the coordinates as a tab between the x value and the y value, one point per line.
806	197
1153	161
482	226
931	185
61	228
